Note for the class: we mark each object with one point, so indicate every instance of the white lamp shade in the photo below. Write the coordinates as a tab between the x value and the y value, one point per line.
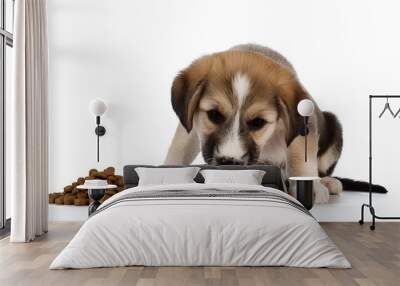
305	107
97	107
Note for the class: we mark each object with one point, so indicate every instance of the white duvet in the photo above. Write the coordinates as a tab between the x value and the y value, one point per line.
200	231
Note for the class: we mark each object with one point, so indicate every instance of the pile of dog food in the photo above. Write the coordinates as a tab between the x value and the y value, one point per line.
74	196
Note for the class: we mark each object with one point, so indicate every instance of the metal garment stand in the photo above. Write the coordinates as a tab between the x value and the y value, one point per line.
370	205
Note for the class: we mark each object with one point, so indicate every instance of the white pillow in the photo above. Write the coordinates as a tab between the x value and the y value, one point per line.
248	177
165	176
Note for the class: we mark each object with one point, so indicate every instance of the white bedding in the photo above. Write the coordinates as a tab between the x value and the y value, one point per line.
183	231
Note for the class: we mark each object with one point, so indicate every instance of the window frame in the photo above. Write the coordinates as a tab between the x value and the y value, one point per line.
6	39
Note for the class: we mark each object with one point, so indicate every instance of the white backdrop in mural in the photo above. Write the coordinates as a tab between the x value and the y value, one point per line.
128	52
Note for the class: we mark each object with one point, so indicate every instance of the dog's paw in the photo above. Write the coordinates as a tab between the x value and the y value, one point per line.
321	193
334	186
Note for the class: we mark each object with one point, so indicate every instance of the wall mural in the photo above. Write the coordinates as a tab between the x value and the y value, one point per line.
240	107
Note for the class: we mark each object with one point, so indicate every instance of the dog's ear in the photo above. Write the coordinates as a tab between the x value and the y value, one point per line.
291	95
187	89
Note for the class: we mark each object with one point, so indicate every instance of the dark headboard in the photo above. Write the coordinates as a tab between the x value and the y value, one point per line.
272	177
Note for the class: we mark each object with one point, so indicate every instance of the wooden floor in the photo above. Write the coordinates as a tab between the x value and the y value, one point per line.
375	257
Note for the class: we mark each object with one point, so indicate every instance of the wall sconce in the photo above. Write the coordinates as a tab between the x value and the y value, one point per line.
305	109
304	185
97	107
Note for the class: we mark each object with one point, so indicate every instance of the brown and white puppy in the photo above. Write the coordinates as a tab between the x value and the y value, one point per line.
240	107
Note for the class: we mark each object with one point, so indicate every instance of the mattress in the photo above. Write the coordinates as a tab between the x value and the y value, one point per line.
201	225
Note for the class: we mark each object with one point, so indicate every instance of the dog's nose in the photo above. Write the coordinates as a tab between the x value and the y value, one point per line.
228	161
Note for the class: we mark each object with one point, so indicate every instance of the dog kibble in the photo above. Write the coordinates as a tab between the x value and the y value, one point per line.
74	196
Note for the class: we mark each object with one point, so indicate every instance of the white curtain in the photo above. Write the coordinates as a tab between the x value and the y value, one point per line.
28	122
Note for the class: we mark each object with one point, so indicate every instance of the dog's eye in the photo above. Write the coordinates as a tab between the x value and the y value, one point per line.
256	123
215	116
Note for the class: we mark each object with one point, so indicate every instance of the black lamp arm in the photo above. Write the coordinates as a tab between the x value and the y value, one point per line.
100	131
304	132
304	129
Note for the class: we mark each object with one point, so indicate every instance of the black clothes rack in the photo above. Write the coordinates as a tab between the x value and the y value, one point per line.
370	204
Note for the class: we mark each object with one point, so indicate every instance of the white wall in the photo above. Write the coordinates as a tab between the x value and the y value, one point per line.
127	52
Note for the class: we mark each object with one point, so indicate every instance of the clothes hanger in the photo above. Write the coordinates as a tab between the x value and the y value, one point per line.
397	113
387	107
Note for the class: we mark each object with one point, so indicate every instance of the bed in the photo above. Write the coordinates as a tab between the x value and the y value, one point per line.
198	224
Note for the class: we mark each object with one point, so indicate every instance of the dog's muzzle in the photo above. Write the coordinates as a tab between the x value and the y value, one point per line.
228	161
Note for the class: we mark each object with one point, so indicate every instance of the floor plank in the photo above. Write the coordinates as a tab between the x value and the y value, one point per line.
375	257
